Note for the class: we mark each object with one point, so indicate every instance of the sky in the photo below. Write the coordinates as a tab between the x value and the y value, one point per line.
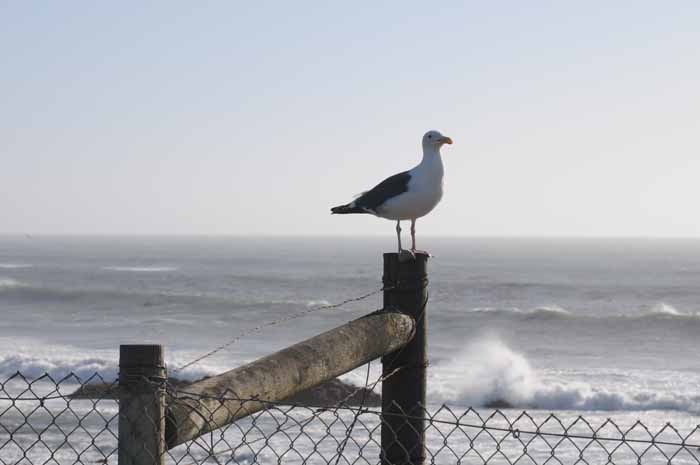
254	118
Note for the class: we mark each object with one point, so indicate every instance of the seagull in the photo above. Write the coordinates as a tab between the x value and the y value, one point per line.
408	195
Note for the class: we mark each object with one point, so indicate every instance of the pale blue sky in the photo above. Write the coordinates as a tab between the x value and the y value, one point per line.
569	118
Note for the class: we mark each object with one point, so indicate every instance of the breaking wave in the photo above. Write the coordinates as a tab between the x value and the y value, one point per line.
141	269
545	311
33	366
14	266
9	283
665	309
486	374
660	310
76	367
489	373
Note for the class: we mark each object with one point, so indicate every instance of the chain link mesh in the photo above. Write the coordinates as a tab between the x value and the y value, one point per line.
47	420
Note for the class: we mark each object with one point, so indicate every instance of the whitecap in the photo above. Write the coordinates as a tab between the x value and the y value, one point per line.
548	311
141	269
79	367
542	311
505	310
663	308
9	283
34	365
14	266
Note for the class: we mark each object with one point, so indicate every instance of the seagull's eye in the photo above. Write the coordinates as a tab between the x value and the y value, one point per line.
430	136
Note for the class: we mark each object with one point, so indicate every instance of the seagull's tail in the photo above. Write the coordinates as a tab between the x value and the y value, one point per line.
347	208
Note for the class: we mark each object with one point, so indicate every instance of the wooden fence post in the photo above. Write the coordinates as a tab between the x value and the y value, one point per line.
403	392
142	378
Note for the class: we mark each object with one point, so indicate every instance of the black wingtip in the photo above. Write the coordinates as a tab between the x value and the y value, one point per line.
345	209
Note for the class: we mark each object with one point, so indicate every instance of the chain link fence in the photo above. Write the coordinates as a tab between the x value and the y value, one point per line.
73	420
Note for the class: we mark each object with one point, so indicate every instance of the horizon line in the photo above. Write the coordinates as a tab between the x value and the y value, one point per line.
30	236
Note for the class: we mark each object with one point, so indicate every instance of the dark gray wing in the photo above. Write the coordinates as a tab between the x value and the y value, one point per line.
390	187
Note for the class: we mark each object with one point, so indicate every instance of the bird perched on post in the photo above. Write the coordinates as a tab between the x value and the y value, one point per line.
408	195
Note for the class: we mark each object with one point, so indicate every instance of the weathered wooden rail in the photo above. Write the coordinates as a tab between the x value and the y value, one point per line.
148	427
214	402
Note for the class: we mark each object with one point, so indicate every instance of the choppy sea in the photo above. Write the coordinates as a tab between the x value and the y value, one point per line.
602	328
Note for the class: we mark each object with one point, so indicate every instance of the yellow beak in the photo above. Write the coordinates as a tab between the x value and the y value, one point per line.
448	140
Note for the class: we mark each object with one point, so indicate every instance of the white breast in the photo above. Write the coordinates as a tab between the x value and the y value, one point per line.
423	194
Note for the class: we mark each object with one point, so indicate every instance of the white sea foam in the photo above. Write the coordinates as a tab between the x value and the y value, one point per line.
57	367
485	371
317	303
14	266
551	310
66	363
541	311
659	310
141	269
9	283
514	310
488	371
663	308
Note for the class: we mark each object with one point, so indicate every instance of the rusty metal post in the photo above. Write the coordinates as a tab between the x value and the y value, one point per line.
403	390
142	378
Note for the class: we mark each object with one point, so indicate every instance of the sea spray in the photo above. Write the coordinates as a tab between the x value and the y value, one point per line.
486	371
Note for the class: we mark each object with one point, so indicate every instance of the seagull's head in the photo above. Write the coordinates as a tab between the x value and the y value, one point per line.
434	140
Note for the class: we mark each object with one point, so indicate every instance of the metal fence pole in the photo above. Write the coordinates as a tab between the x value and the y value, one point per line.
142	378
403	392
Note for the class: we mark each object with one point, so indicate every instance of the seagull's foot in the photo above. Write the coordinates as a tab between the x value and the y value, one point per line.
421	252
406	255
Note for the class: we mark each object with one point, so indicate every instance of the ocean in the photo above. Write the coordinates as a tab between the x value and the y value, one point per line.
595	327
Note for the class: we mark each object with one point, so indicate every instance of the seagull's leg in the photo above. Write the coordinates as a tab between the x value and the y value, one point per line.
398	234
413	240
413	235
404	255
